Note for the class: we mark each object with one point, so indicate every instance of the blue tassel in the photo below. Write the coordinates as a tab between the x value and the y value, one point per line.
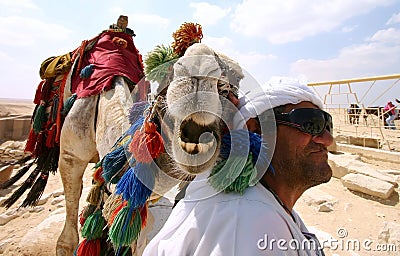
68	104
87	71
116	161
113	163
137	184
137	111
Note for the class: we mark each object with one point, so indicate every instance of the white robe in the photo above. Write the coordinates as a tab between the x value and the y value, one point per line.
209	223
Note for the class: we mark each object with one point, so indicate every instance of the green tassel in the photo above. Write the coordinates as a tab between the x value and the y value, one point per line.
126	227
234	174
39	119
68	104
93	227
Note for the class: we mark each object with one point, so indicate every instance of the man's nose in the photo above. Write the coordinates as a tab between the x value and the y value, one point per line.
324	138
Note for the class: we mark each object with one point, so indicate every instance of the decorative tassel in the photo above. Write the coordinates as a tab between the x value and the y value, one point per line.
86	212
114	163
68	104
244	159
111	203
38	94
148	144
126	227
18	193
187	34
21	172
93	226
51	136
116	211
36	191
40	118
31	142
136	111
87	71
226	172
143	214
98	174
137	184
89	247
159	62
94	194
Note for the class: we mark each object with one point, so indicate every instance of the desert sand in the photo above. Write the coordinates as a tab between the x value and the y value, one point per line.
351	216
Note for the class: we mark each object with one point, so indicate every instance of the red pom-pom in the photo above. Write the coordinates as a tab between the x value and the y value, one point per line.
148	144
98	175
89	247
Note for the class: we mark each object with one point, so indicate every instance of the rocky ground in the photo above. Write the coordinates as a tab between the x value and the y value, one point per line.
356	213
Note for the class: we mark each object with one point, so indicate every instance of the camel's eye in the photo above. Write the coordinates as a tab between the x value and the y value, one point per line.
223	88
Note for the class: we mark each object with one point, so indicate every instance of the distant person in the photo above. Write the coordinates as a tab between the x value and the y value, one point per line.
391	110
261	221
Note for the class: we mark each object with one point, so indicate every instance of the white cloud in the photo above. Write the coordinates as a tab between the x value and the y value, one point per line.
17	6
23	31
348	29
5	57
394	19
377	56
292	20
208	14
390	35
252	62
149	19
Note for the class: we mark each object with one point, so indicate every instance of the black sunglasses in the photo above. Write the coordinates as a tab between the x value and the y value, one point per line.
313	121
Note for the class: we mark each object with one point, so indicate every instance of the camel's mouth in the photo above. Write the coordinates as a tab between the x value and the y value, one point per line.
196	138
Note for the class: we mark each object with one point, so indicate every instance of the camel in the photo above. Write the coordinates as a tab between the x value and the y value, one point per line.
193	108
192	116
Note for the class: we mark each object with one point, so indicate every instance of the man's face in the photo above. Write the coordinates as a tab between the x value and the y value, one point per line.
122	22
300	158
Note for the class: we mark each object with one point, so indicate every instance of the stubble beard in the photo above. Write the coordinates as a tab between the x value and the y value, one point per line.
304	171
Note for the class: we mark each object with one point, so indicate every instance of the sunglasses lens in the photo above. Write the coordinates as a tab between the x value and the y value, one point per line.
310	120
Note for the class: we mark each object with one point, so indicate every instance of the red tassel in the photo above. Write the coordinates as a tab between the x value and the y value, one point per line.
81	219
38	94
143	215
51	135
31	142
98	175
89	248
116	211
148	144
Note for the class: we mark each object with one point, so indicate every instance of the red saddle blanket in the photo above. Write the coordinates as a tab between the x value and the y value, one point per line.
114	54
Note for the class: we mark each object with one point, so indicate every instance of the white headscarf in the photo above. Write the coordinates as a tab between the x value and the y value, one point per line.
277	92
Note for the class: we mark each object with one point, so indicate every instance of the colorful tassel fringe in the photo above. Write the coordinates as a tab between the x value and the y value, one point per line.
241	162
148	144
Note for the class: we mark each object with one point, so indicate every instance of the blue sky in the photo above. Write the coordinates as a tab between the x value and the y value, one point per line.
320	40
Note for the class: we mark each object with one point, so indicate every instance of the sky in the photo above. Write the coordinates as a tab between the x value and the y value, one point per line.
317	40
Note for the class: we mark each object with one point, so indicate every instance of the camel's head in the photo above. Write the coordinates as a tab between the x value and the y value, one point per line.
200	102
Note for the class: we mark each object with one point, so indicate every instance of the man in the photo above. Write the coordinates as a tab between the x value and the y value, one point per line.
262	220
